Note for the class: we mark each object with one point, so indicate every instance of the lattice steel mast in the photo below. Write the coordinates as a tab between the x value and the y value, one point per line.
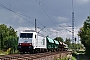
72	22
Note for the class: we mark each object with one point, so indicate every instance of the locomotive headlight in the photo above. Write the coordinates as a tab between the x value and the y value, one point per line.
30	44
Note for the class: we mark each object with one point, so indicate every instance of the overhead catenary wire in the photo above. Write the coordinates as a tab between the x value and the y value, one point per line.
66	29
8	3
33	17
41	23
28	16
48	15
41	5
18	14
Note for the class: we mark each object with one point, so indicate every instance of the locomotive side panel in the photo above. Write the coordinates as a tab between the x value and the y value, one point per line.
41	42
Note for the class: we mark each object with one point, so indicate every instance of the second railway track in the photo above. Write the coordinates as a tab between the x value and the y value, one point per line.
81	57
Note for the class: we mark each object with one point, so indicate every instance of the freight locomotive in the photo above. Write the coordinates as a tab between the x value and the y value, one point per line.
31	41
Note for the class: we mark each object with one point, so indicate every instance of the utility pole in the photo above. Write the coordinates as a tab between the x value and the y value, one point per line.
35	25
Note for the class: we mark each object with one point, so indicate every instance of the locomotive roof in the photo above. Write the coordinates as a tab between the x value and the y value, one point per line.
28	31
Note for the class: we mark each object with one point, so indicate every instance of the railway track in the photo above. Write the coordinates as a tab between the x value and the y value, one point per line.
38	56
81	57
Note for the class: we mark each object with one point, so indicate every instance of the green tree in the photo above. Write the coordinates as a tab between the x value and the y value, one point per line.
80	46
12	43
8	37
68	42
84	34
59	39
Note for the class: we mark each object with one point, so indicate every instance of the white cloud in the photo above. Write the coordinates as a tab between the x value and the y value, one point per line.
52	32
62	19
82	1
64	25
55	32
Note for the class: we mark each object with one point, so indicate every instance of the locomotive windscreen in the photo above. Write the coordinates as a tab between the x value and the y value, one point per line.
26	35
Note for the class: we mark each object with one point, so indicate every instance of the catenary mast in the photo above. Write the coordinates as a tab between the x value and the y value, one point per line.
72	22
35	25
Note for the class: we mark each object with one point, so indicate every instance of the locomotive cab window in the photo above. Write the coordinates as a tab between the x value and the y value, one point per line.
35	36
26	35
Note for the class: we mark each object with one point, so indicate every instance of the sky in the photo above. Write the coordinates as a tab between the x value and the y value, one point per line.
53	17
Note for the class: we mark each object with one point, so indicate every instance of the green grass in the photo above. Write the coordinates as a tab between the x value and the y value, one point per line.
61	58
9	51
74	55
2	52
73	58
66	58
